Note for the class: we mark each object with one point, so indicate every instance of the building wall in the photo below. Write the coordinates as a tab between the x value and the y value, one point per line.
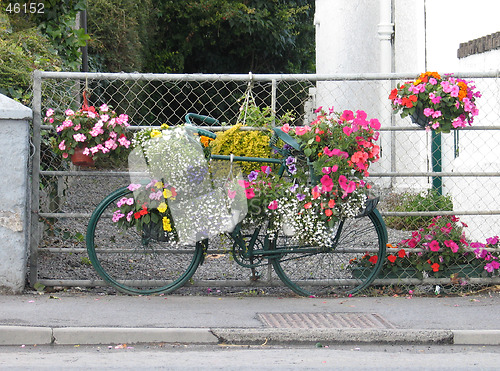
427	35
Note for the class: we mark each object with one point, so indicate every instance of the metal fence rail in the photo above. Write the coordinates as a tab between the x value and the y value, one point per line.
63	197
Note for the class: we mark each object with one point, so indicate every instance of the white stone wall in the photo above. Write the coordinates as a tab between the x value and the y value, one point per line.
14	188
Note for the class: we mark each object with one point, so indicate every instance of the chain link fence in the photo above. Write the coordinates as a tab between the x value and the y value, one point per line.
413	186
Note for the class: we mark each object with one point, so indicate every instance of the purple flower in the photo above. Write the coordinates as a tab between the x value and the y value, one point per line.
301	197
290	160
294	187
292	169
253	176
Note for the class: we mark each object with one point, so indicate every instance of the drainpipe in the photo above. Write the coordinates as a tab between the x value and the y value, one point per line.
385	30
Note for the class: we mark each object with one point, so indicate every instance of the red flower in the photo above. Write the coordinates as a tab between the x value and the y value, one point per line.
402	253
435	267
391	258
373	259
394	94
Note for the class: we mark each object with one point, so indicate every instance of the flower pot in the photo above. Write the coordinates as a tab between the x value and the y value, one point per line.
152	231
364	272
462	270
79	159
419	118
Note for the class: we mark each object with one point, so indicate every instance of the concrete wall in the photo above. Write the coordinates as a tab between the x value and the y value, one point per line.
14	188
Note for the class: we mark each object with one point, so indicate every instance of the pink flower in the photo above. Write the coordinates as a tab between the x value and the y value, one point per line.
434	245
134	187
347	116
286	128
104	108
79	137
249	193
104	118
428	112
110	144
301	130
318	109
326	183
49	112
273	205
375	124
122	120
69	112
348	187
62	146
436	114
452	245
65	155
347	130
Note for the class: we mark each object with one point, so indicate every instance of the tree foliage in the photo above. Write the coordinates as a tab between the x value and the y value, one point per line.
232	36
23	49
119	31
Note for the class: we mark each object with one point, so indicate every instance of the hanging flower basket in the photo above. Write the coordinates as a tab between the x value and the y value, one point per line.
97	133
437	103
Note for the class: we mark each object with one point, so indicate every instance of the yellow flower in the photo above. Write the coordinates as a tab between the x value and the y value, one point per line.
164	126
155	133
162	207
167	193
166	224
159	185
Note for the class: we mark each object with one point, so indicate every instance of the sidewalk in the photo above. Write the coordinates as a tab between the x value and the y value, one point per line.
83	318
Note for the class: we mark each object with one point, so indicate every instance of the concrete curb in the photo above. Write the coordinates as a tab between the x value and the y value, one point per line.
476	337
25	335
381	336
19	335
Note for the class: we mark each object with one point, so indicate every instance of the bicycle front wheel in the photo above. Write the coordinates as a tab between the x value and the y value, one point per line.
330	272
132	262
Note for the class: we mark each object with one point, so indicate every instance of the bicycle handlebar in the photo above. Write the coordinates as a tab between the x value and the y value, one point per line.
204	119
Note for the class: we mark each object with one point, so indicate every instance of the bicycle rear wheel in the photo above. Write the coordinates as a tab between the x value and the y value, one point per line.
135	263
328	272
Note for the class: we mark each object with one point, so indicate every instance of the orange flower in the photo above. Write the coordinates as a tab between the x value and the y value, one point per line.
435	267
463	90
205	140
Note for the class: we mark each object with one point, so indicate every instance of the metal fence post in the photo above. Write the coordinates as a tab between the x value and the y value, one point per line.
35	177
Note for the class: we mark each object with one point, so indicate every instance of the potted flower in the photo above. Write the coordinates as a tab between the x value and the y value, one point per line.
88	134
436	102
438	250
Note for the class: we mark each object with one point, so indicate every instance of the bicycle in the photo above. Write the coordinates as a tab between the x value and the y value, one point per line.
143	263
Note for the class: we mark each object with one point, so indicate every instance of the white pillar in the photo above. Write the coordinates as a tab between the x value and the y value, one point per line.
14	190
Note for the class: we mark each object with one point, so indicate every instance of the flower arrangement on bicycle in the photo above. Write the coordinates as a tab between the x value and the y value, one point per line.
180	200
338	149
98	132
436	102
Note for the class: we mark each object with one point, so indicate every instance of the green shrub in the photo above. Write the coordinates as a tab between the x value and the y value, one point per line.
429	200
242	143
20	53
